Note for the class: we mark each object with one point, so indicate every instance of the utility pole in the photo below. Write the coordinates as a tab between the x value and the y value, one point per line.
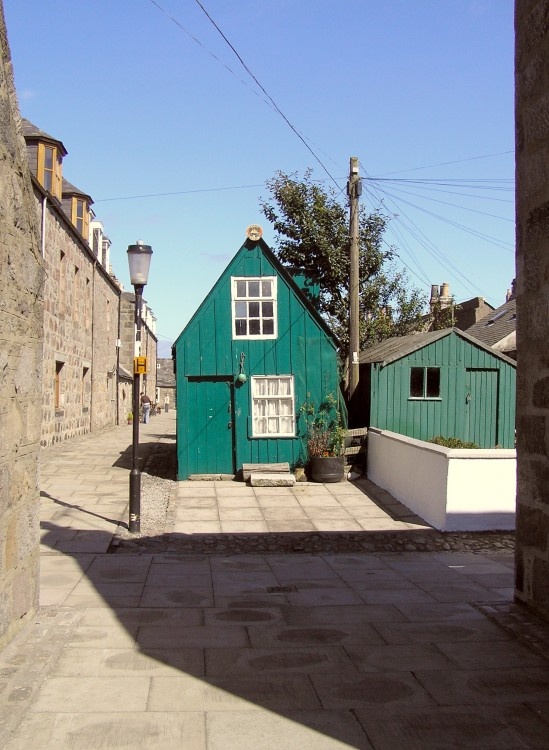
354	189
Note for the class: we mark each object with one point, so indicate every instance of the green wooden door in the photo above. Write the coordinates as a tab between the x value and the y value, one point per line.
481	407
210	426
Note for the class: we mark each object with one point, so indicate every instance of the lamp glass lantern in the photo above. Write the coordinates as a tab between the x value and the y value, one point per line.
139	260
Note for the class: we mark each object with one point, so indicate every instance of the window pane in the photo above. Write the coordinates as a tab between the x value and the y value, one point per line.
240	327
240	288
266	289
416	382
268	327
287	425
253	309
253	289
240	309
267	309
433	382
260	386
48	157
255	327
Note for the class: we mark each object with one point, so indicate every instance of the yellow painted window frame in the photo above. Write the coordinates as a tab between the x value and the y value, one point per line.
75	203
56	172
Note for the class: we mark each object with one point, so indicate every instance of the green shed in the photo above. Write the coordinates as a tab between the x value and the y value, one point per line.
253	353
438	383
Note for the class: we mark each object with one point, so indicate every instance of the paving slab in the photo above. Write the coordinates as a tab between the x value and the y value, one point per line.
313	616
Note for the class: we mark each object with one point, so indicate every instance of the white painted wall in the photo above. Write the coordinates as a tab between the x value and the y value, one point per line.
453	490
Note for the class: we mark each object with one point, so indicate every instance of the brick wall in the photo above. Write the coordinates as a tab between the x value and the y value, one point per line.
21	305
532	207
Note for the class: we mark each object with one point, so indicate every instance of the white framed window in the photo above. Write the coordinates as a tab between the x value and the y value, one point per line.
254	307
273	408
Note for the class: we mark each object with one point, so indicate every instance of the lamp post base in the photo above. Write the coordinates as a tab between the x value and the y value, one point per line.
135	502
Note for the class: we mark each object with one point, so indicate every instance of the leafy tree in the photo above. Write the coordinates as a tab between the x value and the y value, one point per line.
442	317
312	227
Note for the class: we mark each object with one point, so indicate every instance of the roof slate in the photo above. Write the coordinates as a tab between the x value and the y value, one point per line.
496	326
31	131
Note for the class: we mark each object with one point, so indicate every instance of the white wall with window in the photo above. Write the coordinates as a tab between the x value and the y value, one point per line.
273	406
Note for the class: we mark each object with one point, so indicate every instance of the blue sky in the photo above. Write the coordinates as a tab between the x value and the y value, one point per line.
174	139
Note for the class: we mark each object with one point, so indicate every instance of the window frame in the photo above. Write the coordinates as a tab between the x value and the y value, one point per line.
425	383
54	173
256	399
247	299
80	220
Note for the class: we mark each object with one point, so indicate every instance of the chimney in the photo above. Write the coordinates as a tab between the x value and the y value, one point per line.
434	295
445	296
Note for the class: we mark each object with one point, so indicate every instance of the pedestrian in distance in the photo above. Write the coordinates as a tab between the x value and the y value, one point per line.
166	403
146	406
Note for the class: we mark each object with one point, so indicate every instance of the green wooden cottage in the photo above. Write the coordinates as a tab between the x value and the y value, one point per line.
253	353
438	383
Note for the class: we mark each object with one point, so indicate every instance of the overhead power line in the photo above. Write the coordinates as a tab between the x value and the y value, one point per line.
271	101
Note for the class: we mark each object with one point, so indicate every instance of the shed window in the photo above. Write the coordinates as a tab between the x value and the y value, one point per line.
273	406
254	307
425	382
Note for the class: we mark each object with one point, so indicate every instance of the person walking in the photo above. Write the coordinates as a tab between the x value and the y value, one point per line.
166	403
146	406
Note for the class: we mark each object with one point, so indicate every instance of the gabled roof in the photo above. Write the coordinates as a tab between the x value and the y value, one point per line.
393	349
497	325
281	271
32	133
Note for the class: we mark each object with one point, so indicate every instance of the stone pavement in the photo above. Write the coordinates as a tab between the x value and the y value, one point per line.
153	643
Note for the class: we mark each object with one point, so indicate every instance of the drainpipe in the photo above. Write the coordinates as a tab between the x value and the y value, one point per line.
43	238
92	346
118	345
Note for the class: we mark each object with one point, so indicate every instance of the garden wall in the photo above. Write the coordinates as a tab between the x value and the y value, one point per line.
453	490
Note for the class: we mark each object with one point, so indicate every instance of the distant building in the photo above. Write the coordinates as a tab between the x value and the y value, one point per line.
461	315
87	366
499	329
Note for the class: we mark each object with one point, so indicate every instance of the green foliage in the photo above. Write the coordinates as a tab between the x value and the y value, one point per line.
325	431
312	227
442	317
452	442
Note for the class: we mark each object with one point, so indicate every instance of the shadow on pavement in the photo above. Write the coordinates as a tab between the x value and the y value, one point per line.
371	651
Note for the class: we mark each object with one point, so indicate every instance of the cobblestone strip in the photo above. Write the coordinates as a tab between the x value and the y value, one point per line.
320	543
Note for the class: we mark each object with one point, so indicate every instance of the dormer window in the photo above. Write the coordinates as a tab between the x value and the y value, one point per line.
254	307
49	169
80	216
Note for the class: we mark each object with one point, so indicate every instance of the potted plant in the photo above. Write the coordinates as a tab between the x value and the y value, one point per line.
130	417
325	439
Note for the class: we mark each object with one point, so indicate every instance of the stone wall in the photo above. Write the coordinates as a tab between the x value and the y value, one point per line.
532	208
80	332
21	305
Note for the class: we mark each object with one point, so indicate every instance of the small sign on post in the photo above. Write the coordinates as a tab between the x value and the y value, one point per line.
140	365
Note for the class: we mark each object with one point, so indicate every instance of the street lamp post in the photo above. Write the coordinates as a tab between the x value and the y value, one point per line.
139	259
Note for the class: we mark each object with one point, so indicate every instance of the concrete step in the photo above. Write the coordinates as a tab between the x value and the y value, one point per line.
279	468
264	479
